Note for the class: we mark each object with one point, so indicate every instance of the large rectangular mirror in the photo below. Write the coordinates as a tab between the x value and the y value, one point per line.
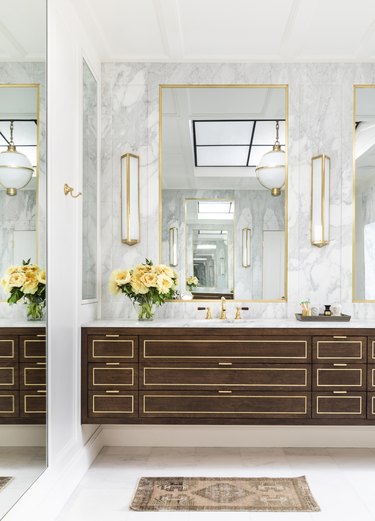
23	346
364	194
223	178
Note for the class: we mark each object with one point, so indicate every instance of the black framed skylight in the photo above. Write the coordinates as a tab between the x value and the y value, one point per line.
234	142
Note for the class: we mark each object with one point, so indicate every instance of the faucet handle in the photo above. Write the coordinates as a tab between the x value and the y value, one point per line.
238	313
208	311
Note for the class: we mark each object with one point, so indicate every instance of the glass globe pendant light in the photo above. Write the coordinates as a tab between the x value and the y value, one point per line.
271	169
15	168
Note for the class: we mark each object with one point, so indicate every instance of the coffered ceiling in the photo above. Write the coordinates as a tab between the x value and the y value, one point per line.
232	30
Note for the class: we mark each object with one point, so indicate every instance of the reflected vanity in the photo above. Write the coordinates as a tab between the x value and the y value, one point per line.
228	229
23	358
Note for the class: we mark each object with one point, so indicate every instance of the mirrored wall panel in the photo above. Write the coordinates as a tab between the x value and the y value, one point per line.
89	184
23	173
223	175
364	194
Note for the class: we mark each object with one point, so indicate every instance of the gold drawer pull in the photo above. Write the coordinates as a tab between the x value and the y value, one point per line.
225	392
340	365
41	363
112	336
112	363
41	391
340	392
41	336
112	392
340	336
225	363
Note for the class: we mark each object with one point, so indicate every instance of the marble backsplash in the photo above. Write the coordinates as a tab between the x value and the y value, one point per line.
320	121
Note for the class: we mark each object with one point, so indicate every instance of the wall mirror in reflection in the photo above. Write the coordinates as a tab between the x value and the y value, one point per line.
223	175
364	194
23	346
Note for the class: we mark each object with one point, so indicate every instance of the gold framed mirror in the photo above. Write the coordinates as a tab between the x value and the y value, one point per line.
215	146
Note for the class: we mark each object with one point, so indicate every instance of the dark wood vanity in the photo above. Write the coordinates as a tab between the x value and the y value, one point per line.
228	376
22	375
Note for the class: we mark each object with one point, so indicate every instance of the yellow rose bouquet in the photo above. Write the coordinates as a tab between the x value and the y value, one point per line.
146	285
27	282
192	282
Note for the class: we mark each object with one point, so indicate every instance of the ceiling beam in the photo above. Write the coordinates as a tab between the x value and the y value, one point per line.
169	21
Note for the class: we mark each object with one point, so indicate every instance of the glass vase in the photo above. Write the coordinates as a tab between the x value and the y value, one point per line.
35	310
145	310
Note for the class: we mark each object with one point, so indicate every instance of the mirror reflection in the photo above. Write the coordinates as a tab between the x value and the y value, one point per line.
223	176
364	232
23	346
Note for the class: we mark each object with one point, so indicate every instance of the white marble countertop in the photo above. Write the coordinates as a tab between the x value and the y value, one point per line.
7	322
243	323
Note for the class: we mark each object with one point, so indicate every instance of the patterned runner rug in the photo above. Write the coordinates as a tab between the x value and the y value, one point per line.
249	494
4	482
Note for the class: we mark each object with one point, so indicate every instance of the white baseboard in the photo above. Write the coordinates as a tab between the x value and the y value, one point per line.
23	436
46	498
237	436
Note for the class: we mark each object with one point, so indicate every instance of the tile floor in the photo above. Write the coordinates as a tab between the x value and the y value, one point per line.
24	464
341	480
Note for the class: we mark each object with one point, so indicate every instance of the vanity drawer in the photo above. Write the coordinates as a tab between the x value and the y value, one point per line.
225	374
33	403
9	404
32	375
110	347
33	348
8	376
371	350
371	378
8	349
339	348
112	374
221	404
371	406
336	376
296	350
339	404
112	404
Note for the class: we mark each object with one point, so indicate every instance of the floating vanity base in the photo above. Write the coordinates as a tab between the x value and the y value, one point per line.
293	376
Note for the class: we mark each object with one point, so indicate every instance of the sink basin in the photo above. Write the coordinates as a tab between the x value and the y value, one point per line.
218	321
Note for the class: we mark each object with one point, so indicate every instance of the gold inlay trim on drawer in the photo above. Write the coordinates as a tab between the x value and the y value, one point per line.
208	369
32	369
373	377
112	341
231	397
339	385
373	349
373	405
112	369
12	377
25	404
304	342
112	396
13	403
12	342
26	342
339	357
339	398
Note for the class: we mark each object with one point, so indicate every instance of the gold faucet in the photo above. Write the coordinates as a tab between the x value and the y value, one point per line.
223	315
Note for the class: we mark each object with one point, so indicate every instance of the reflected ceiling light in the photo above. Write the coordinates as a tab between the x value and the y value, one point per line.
271	169
15	168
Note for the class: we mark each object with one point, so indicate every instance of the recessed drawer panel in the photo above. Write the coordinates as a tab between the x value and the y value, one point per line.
8	349
9	404
225	374
371	350
296	350
33	376
33	348
112	374
112	347
112	404
371	377
33	403
339	376
339	348
339	404
8	376
224	404
371	406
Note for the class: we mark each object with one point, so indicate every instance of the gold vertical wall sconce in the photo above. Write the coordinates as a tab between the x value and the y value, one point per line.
173	246
130	207
320	194
246	247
